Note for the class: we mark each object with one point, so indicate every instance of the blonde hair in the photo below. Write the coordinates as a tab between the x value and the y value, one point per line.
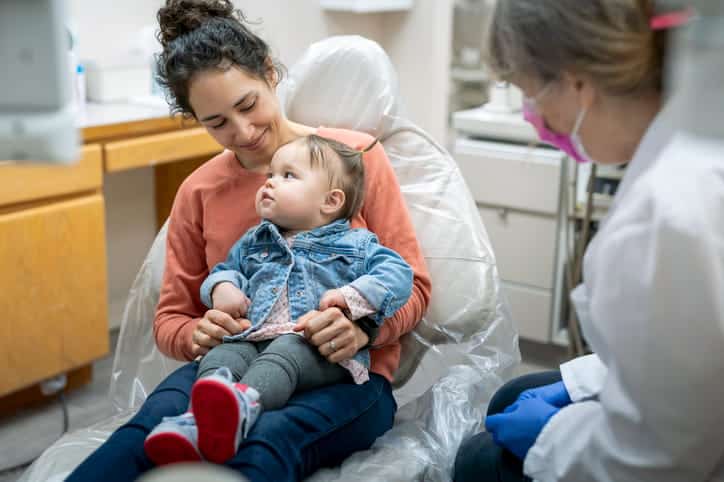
345	166
610	41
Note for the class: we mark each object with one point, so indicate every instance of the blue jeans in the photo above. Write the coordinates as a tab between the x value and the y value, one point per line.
318	428
480	458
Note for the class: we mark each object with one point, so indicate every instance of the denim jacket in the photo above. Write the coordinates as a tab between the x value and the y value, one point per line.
322	259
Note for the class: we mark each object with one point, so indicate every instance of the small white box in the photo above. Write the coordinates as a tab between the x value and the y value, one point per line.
366	6
114	82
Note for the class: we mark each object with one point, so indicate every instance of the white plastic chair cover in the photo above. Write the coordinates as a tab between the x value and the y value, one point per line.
460	353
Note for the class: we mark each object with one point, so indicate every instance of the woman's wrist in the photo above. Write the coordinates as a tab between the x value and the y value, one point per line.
370	329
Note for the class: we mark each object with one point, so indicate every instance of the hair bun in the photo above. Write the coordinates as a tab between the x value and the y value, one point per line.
179	17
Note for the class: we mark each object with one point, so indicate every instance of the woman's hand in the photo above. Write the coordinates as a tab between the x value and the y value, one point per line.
335	336
212	329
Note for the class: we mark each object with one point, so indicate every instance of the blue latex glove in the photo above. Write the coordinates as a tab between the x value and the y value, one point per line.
555	394
518	426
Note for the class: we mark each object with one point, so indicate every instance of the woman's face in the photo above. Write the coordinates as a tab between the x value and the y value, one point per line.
560	104
240	111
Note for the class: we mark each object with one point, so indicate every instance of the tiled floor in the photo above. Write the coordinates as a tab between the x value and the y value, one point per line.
28	433
31	431
540	357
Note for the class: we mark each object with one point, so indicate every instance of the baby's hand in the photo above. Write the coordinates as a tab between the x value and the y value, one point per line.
333	298
230	299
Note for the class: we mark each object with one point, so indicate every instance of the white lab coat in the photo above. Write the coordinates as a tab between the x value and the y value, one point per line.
649	406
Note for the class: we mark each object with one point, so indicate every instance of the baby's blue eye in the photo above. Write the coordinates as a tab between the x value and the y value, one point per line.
288	175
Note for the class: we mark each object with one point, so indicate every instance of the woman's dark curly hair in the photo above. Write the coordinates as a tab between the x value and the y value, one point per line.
199	35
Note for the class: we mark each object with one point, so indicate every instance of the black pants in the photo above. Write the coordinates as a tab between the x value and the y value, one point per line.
480	459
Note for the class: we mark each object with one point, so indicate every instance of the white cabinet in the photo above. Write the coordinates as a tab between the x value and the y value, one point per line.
524	244
518	192
525	178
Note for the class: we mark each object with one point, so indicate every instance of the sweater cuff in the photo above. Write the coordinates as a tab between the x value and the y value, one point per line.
357	304
185	340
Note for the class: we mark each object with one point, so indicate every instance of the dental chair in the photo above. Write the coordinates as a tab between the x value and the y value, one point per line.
451	364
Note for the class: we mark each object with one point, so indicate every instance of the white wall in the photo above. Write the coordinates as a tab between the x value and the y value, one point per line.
418	41
419	44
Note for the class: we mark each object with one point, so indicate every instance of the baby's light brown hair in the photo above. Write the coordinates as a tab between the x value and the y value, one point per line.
346	169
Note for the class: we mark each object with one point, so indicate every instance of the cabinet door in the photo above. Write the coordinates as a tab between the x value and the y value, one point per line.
531	308
524	244
52	290
159	149
21	183
518	177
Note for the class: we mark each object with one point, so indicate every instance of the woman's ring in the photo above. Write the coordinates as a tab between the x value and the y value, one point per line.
332	346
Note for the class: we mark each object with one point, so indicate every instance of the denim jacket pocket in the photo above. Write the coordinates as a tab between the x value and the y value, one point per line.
332	270
255	260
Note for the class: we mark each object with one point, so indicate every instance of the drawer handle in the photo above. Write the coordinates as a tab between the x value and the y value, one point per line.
503	213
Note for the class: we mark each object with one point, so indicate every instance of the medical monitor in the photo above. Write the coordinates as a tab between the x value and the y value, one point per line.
37	112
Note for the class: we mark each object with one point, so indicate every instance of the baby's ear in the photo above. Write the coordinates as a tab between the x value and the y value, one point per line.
333	202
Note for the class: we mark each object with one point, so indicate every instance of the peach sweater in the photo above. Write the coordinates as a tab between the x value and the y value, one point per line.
214	207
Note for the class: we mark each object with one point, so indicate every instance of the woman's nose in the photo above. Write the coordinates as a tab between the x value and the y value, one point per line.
244	131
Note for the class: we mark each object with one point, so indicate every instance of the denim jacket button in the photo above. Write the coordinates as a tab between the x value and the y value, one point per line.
300	293
275	290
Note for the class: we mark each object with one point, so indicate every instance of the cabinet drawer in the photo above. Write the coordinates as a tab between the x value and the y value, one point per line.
23	182
531	310
524	245
159	149
520	177
53	290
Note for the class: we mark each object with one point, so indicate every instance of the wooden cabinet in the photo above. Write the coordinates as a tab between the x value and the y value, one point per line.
53	250
52	253
54	290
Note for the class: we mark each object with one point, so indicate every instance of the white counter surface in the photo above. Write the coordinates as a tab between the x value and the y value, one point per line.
135	110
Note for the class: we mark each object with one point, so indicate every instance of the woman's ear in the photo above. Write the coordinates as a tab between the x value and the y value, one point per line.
272	76
584	88
333	202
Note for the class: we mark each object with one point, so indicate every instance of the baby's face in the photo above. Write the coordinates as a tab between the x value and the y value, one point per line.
294	192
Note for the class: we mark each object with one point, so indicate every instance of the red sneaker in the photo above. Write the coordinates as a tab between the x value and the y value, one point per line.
224	413
173	440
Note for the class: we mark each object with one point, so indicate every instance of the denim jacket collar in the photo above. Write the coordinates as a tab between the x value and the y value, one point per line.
338	226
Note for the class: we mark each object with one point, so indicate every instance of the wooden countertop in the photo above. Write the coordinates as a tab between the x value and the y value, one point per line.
110	121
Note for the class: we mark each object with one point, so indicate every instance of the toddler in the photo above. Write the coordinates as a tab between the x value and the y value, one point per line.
303	256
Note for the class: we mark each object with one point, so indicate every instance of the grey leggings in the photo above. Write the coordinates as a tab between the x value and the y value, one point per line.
275	368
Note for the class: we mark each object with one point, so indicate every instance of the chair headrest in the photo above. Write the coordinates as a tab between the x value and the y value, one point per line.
349	71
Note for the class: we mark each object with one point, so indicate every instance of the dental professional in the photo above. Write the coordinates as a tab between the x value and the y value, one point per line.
649	404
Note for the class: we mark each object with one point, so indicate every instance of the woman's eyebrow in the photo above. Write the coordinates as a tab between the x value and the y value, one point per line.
236	104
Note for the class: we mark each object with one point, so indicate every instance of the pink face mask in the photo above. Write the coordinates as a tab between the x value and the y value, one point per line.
570	144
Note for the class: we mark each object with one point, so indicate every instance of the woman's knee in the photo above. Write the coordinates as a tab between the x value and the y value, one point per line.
312	432
170	398
478	459
509	393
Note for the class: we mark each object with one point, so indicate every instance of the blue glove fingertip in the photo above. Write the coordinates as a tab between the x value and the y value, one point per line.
511	408
493	422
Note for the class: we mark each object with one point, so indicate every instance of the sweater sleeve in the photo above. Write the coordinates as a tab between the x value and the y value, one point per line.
386	215
179	308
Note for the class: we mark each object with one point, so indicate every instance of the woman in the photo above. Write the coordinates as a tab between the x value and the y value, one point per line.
220	73
649	405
